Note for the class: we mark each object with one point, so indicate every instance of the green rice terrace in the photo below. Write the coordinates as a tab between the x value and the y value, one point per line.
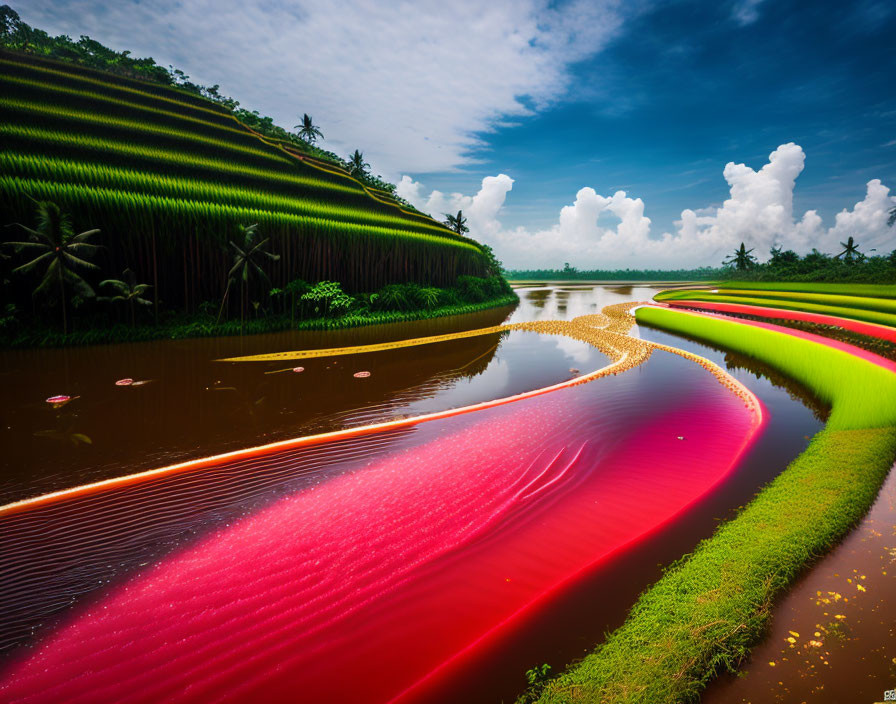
169	179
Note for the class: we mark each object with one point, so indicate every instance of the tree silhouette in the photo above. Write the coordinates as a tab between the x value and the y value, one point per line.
458	222
308	130
850	252
56	246
356	165
246	258
127	291
742	259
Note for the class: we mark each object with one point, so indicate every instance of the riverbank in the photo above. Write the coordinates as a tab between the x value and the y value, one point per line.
709	608
205	325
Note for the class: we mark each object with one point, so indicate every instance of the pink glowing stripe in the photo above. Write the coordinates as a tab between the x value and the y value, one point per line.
811	337
366	587
881	332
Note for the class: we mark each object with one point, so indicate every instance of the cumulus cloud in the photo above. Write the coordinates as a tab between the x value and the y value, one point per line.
411	84
612	231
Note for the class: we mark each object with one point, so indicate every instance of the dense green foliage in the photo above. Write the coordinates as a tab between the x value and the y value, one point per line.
308	313
711	606
786	265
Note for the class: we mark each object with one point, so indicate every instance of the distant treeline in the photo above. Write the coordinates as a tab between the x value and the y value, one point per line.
849	266
568	272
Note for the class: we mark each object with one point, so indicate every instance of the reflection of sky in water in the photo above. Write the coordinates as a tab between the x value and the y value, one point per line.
543	359
553	302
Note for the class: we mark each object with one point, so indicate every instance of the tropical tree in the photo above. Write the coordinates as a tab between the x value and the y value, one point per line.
850	252
742	259
246	264
356	165
56	247
127	290
308	130
458	222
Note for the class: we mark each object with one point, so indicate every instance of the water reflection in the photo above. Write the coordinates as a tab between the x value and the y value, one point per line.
195	406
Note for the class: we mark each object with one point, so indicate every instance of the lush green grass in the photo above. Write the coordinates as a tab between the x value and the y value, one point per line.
850	306
873	290
156	184
200	325
145	206
145	110
32	73
883	305
34	111
713	605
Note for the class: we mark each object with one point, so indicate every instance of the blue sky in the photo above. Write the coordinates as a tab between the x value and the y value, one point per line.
687	87
533	115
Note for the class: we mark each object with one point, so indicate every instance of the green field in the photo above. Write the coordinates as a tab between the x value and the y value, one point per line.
859	307
713	605
169	177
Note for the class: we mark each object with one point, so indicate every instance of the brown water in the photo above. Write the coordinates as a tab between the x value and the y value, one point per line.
193	406
833	636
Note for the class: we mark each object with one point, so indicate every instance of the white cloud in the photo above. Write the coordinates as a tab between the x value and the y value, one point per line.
759	211
746	11
411	84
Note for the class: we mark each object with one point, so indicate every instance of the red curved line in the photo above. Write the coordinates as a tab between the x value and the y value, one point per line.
881	332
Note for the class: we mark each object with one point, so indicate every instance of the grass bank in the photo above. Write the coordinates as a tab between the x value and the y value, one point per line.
710	607
864	308
204	325
873	290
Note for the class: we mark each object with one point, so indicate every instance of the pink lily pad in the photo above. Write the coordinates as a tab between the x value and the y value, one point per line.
59	400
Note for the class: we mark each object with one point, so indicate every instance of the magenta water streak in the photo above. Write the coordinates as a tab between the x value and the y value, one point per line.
364	587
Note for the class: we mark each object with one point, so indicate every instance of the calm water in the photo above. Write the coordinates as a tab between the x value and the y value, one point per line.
440	561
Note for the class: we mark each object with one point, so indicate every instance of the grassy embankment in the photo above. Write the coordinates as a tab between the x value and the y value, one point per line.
709	608
169	178
873	290
823	298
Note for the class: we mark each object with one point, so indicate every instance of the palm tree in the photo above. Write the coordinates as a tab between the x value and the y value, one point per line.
245	264
742	259
308	130
56	245
356	165
458	222
850	252
127	291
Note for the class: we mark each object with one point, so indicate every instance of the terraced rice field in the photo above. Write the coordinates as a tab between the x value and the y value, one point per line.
168	177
